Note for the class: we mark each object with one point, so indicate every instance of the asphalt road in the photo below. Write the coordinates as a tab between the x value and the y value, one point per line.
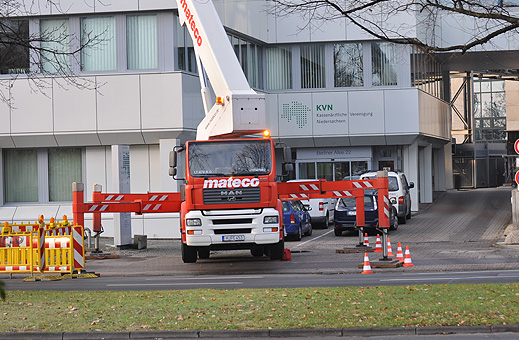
461	232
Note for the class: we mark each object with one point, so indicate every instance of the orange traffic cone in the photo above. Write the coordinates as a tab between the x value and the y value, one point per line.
407	260
389	250
366	241
399	253
367	267
378	245
287	255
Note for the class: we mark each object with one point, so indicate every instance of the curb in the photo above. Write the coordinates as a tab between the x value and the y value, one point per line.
273	333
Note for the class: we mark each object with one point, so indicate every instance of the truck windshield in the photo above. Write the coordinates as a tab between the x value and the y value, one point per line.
230	158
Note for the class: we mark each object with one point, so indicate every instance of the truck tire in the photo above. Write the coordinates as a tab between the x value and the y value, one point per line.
203	253
276	251
188	254
257	251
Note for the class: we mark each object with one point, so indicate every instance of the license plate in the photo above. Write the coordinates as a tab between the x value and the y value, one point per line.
231	238
352	213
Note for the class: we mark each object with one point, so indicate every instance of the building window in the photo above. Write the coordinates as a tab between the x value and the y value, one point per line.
99	41
54	57
383	64
426	73
141	42
21	176
186	58
14	53
41	175
331	171
64	168
250	58
489	110
348	65
312	67
279	68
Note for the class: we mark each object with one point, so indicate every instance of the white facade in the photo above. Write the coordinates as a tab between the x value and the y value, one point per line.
155	109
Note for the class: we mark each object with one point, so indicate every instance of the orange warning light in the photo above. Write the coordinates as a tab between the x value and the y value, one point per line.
219	101
266	133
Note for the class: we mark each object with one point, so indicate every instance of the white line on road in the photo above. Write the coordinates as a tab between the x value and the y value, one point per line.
223	277
173	284
300	244
451	278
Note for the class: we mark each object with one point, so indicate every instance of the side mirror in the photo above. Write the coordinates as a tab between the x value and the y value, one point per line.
411	185
173	163
287	154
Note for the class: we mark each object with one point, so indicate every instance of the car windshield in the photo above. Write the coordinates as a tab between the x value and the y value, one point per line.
230	158
350	202
393	182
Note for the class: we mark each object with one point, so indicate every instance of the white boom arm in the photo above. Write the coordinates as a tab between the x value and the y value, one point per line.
243	110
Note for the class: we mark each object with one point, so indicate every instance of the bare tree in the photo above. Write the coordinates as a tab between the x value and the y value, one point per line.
420	22
41	57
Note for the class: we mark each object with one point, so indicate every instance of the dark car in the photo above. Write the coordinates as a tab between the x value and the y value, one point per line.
346	213
296	219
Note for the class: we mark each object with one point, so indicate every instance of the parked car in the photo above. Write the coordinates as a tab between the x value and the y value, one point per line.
297	220
399	190
346	213
321	210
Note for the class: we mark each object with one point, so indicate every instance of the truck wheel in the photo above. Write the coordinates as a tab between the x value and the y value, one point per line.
326	221
203	253
188	254
257	251
276	251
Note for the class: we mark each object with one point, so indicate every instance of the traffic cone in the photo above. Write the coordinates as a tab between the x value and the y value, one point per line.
287	255
407	259
399	253
378	245
389	250
366	241
367	267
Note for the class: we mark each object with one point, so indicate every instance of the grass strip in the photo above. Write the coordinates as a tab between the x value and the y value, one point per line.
203	309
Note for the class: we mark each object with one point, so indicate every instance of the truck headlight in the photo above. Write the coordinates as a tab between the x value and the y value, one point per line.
270	220
193	222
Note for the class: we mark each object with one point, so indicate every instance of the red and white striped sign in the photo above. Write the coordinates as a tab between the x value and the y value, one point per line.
342	193
362	184
41	248
98	207
78	245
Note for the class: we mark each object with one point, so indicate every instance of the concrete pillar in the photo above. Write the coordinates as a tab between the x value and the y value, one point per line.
440	172
410	158
425	163
449	179
121	184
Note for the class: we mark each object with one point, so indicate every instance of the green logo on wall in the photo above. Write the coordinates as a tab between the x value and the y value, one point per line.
296	110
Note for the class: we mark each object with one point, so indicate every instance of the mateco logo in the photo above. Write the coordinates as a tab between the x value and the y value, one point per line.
296	110
230	183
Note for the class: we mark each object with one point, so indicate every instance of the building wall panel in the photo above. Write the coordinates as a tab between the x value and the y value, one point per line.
118	104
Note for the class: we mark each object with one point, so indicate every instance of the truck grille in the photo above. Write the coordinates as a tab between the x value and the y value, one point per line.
226	196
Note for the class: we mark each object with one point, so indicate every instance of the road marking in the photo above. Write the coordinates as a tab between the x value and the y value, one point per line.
207	278
451	278
300	244
173	284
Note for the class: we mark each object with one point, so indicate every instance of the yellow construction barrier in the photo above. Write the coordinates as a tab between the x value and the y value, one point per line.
45	248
